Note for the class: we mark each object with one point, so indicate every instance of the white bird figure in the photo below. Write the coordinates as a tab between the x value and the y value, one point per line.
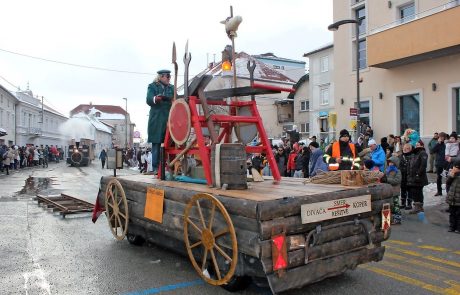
231	25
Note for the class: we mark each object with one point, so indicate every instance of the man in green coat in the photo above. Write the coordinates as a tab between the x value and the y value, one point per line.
159	97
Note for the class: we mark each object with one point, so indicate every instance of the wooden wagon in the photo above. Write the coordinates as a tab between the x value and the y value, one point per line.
273	232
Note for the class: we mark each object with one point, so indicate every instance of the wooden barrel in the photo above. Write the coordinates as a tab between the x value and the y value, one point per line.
232	165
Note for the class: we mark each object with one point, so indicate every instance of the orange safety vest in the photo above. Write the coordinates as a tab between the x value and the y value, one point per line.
336	154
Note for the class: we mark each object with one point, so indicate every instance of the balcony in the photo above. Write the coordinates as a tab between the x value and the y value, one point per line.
34	131
285	118
428	35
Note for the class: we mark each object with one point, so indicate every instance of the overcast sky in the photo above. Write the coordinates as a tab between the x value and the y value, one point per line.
137	36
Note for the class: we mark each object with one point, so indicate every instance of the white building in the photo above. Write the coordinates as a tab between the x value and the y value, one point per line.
276	111
37	123
302	99
294	69
87	126
8	104
113	116
322	102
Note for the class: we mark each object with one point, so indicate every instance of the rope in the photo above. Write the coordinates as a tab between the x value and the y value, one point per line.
334	177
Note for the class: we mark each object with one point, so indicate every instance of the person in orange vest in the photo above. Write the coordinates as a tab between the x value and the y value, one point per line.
342	154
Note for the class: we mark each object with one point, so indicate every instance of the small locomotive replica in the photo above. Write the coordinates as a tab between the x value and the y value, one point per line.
80	153
282	231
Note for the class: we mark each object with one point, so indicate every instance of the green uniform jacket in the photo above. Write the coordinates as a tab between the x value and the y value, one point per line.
159	112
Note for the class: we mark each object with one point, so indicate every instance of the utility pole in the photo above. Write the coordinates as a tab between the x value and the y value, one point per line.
43	121
126	123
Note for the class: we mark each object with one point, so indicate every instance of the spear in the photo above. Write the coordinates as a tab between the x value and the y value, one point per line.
174	58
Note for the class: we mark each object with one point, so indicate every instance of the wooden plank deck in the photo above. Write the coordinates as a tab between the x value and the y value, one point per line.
257	191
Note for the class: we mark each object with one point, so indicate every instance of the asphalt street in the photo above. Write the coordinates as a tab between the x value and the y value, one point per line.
43	253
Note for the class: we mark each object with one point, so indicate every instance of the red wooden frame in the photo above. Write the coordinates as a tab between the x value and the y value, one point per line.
226	122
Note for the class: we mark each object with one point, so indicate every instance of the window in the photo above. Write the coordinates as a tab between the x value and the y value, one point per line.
305	105
361	17
304	127
7	119
324	95
323	125
409	110
1	96
364	112
324	63
407	12
362	54
24	119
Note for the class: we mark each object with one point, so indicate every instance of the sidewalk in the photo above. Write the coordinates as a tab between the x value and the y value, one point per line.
14	171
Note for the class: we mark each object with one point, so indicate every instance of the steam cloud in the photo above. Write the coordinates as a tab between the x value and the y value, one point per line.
77	128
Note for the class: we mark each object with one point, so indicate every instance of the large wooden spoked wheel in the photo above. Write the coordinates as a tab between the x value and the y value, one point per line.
203	231
116	206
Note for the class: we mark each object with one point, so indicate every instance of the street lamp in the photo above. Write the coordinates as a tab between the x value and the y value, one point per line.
126	123
334	27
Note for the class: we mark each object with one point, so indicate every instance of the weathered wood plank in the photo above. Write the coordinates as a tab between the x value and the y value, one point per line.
137	198
324	237
246	208
173	226
290	206
297	257
293	224
321	269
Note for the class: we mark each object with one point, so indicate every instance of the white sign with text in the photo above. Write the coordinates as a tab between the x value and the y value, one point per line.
335	208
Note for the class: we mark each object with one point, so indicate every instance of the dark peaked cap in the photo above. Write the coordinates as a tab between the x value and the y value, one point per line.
161	72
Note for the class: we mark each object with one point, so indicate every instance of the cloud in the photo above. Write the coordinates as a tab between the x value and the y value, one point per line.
137	36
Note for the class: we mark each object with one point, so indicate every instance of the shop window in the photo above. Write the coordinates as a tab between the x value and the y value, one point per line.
409	110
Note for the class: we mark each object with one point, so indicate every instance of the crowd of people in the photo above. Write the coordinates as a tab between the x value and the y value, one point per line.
14	157
402	161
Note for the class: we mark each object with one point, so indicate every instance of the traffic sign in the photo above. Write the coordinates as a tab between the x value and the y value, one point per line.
335	208
354	112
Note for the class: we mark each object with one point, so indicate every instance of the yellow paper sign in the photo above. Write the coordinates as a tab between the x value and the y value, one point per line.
154	204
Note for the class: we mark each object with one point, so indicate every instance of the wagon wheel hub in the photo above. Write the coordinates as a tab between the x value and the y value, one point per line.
116	210
208	239
214	246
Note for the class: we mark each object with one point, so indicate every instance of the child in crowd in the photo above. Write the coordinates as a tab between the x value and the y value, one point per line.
453	197
393	177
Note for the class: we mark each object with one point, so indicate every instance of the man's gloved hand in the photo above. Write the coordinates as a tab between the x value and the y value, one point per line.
159	98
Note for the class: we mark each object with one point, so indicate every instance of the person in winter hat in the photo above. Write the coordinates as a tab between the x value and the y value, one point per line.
393	177
453	197
416	177
342	154
404	160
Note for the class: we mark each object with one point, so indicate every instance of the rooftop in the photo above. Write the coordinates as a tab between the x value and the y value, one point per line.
324	47
107	109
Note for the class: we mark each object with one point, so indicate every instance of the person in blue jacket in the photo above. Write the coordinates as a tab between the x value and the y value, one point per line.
316	159
377	154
